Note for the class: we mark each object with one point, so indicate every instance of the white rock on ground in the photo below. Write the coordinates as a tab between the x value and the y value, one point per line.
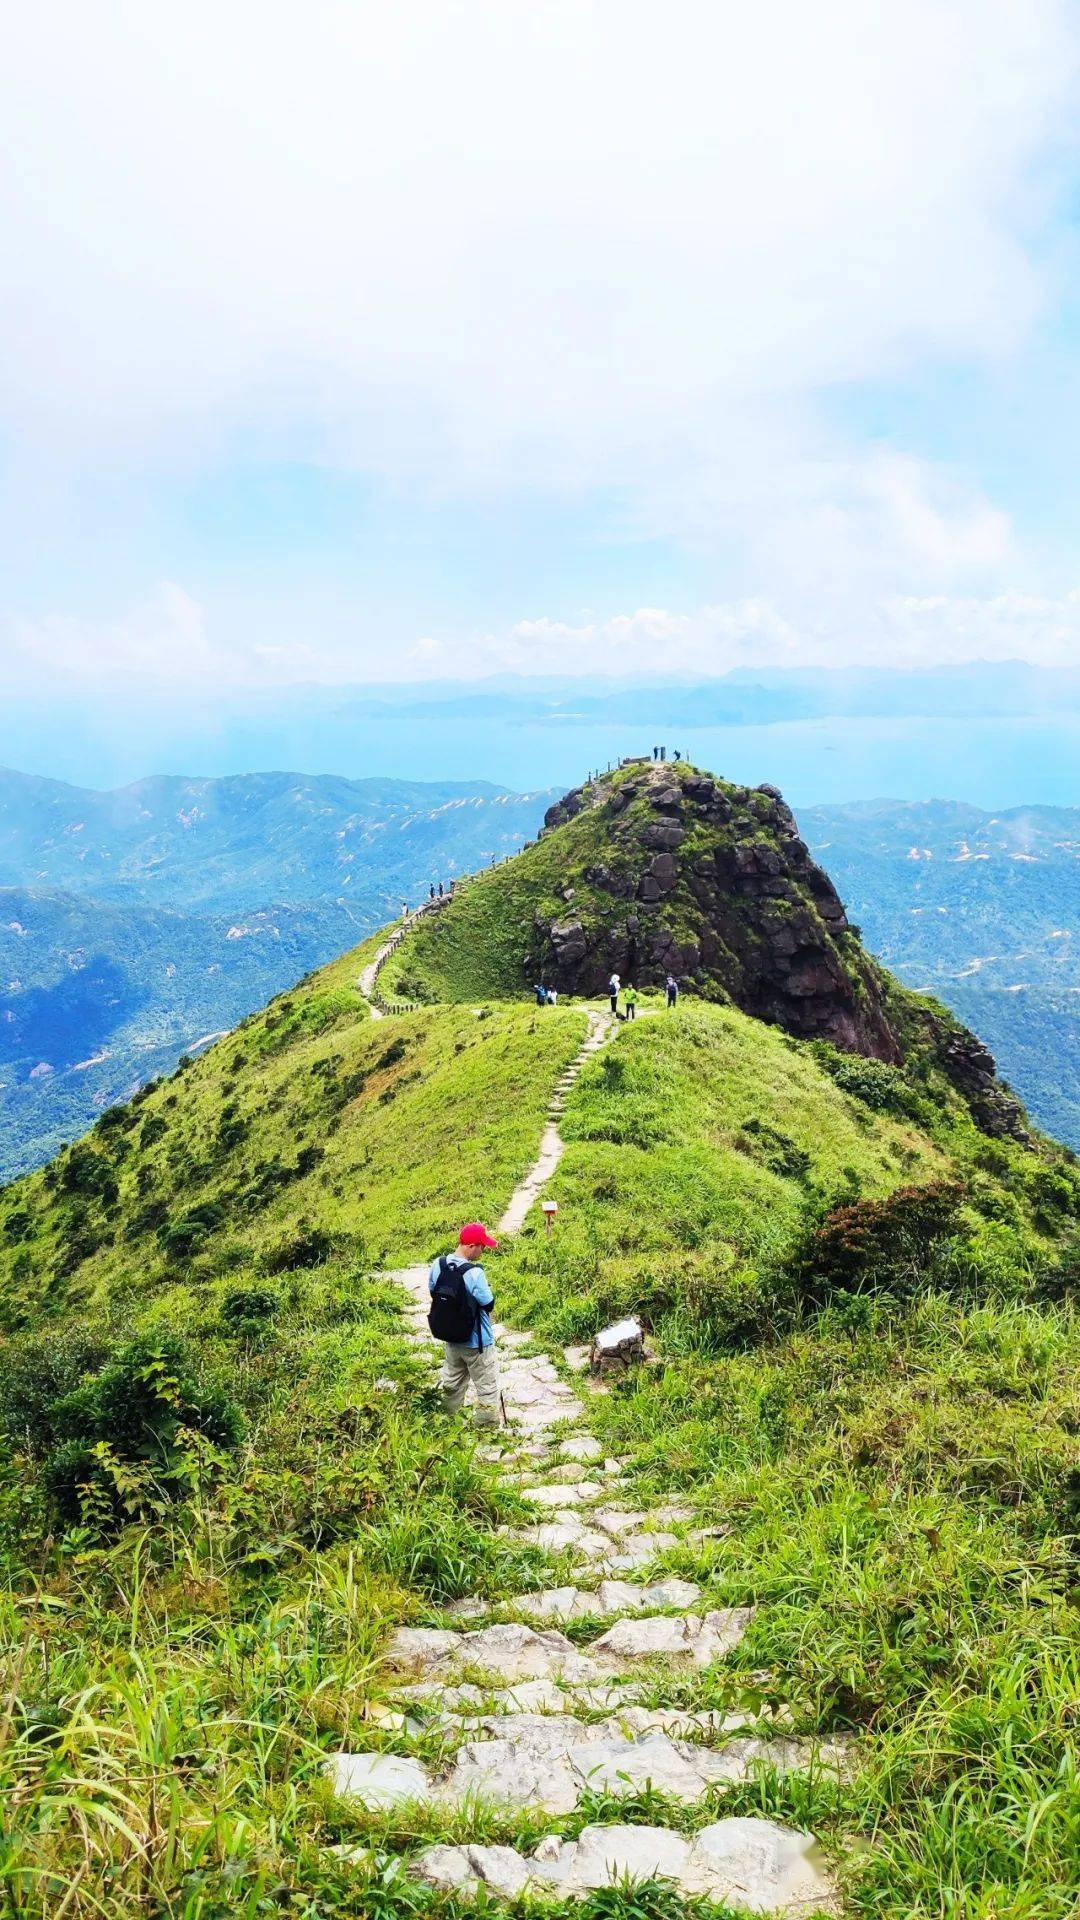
581	1446
617	1346
611	1596
562	1496
552	1762
509	1653
752	1864
377	1779
679	1636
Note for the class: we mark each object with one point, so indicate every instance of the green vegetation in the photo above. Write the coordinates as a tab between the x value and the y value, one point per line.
224	1476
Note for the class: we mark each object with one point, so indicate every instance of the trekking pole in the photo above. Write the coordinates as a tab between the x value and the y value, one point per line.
502	1408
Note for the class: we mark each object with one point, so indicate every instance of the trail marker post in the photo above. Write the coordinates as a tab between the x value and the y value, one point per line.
549	1208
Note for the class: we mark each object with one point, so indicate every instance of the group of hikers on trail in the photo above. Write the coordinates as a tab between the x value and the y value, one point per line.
546	996
630	995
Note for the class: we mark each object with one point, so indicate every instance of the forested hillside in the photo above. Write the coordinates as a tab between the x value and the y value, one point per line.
982	909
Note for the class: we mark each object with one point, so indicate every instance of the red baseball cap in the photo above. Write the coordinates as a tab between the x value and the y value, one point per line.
474	1235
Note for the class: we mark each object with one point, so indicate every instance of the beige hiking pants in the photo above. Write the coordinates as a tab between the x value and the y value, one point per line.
462	1365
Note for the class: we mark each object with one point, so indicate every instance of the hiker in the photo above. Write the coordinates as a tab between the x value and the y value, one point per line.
672	987
460	1316
404	909
440	890
613	986
553	996
676	755
630	1001
431	891
541	994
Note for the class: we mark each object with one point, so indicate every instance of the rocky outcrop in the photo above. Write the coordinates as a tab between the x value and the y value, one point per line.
972	1069
720	891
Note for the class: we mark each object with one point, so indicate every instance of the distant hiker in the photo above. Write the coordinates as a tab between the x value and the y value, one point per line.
460	1316
613	986
431	893
541	994
656	753
676	755
630	1001
672	988
404	909
440	890
663	753
553	996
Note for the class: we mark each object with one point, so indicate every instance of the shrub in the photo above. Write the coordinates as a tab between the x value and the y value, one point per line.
85	1171
247	1312
121	1438
183	1237
309	1247
36	1372
874	1082
876	1245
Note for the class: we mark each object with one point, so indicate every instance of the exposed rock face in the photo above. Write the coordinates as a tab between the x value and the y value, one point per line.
725	897
971	1068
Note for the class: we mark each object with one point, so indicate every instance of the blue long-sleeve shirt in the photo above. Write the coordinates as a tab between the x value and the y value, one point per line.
476	1284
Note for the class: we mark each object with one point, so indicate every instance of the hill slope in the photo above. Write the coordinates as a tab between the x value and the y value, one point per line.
134	923
660	869
225	1478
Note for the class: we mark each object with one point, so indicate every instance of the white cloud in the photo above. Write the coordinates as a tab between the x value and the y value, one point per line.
579	242
586	245
162	641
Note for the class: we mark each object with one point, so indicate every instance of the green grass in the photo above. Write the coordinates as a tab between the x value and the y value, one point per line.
895	1483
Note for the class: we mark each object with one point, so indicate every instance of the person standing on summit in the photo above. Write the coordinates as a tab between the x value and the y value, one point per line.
460	1316
613	986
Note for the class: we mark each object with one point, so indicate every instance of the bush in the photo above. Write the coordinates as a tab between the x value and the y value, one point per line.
247	1312
880	1245
183	1237
36	1372
120	1440
86	1172
876	1084
310	1247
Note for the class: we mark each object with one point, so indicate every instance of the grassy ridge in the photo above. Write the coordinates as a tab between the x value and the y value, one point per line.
892	1475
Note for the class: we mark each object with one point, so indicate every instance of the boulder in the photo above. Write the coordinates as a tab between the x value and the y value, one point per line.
617	1347
662	835
569	941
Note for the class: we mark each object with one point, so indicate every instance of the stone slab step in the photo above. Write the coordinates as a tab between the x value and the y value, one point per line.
611	1596
548	1762
511	1652
754	1865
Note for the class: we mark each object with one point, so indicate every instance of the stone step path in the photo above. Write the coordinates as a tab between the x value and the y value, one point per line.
368	977
526	1719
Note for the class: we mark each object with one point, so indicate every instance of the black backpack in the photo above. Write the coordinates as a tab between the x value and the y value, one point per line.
454	1315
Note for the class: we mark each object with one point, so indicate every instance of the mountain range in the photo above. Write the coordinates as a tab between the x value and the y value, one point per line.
780	1609
134	924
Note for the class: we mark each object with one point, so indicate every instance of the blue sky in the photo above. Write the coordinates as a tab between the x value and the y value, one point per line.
371	343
